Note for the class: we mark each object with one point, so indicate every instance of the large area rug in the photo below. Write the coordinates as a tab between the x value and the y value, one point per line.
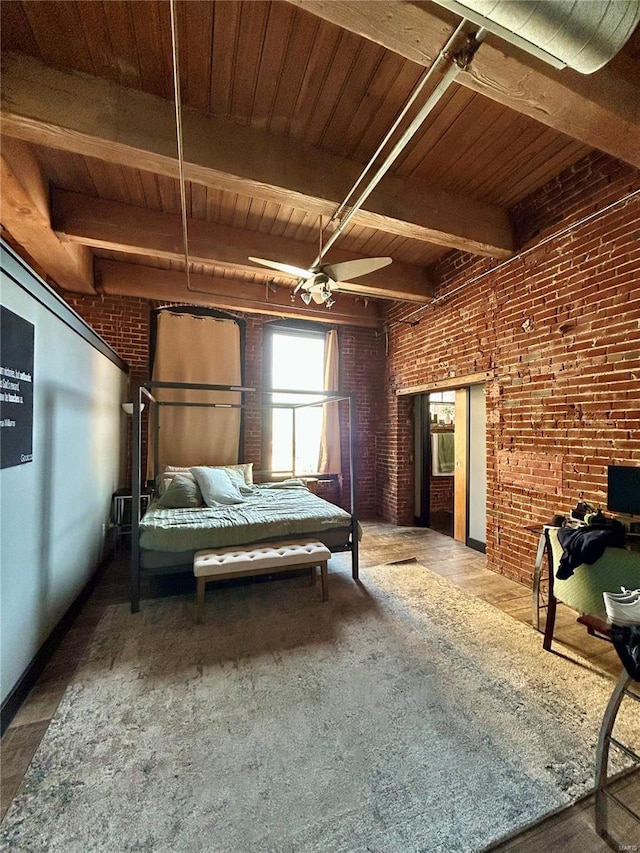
403	715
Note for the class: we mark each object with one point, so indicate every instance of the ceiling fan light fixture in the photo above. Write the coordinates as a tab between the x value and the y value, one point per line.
318	282
329	302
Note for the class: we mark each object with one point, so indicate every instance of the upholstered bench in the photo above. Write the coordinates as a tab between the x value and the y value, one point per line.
238	562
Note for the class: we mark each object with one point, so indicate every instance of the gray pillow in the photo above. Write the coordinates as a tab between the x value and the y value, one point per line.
216	486
181	493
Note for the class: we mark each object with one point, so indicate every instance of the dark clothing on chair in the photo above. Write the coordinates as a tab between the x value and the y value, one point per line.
585	545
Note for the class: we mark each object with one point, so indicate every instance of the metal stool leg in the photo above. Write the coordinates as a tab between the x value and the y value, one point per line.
602	756
536	593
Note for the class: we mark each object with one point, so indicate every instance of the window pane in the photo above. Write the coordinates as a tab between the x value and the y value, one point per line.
282	432
298	362
297	365
442	396
308	429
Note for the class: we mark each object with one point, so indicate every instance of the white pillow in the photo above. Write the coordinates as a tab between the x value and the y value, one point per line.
241	475
239	472
216	486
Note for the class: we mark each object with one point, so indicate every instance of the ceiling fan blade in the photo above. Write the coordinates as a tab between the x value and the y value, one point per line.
354	269
288	268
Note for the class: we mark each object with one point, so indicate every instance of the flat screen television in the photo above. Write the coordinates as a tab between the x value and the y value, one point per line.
623	489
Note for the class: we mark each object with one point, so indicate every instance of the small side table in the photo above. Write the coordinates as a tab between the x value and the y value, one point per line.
312	484
121	502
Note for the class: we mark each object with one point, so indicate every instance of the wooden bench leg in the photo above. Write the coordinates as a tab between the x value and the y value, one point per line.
200	598
323	581
312	576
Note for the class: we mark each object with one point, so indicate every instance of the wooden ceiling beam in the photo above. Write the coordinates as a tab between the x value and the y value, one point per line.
601	109
117	227
96	118
123	279
24	212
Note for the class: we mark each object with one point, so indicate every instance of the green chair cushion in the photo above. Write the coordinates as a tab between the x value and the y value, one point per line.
583	590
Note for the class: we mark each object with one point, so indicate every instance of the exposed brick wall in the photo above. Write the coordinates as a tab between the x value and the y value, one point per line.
559	331
440	493
394	460
361	374
124	323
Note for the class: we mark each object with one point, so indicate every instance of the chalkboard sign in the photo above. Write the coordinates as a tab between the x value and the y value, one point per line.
16	389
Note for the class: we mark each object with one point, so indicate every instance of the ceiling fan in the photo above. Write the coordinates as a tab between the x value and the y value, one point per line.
319	281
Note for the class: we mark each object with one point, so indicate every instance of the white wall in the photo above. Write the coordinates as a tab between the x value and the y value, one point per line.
53	509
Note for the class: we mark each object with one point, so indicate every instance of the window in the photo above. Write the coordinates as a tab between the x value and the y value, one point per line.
294	362
442	408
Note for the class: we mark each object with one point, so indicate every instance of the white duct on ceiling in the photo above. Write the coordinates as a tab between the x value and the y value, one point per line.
581	34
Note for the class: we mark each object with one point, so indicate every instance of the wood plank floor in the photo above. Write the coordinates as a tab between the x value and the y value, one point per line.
571	830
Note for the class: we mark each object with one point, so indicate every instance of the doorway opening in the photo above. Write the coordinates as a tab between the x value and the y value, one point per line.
451	463
435	455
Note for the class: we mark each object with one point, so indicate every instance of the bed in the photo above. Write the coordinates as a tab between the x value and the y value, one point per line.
166	538
170	536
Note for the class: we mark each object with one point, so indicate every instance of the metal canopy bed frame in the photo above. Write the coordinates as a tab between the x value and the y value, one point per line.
145	393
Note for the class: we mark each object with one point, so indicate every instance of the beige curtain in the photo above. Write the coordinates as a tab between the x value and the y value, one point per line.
329	461
204	350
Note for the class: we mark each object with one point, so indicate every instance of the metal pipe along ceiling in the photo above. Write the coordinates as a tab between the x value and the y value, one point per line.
457	63
556	235
582	35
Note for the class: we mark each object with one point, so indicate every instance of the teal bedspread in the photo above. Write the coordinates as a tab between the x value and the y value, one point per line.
267	513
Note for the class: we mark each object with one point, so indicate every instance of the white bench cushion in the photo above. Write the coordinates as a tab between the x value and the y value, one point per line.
270	555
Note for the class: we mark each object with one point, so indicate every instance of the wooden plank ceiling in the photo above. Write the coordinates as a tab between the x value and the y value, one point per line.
283	104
